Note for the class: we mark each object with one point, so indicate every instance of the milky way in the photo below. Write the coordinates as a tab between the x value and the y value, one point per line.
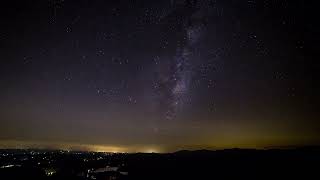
175	81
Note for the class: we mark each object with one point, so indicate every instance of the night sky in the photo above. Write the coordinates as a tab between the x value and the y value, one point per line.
158	76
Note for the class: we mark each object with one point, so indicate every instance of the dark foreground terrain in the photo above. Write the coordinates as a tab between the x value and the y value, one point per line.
302	163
